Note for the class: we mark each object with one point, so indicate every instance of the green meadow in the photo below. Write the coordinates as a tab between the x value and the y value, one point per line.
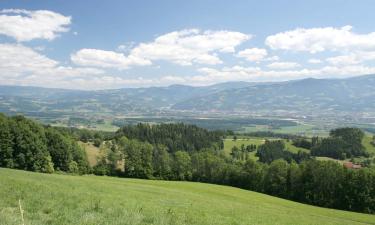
229	143
87	200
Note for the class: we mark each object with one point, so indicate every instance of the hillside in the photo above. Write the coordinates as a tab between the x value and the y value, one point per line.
301	96
63	199
307	95
35	100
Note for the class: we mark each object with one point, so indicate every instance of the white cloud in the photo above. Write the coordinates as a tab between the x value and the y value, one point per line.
183	47
20	65
106	59
314	61
283	65
239	73
253	54
272	58
126	47
190	46
352	58
343	60
321	39
24	25
16	58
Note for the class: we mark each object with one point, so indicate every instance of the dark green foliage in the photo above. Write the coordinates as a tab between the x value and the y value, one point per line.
343	143
274	150
302	143
25	144
243	152
270	134
161	162
253	174
330	147
275	180
208	167
86	135
30	146
181	165
59	149
6	143
174	136
228	125
271	151
138	158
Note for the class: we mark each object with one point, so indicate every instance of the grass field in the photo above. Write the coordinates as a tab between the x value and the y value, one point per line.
88	200
91	151
301	129
229	143
367	143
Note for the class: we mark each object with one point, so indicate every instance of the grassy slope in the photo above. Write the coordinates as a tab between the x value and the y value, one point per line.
63	199
367	143
91	151
229	143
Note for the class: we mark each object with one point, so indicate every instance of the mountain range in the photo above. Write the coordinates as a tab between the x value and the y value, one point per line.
355	94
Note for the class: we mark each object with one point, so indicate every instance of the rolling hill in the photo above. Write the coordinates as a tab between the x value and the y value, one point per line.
305	96
300	96
64	199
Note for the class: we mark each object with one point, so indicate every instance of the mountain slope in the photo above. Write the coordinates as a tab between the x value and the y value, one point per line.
302	96
307	95
35	100
63	199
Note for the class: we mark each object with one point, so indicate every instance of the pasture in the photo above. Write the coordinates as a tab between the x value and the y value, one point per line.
87	200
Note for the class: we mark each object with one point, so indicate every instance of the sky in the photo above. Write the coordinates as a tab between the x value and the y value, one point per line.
109	44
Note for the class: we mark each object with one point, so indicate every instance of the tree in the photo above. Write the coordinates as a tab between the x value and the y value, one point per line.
352	138
138	158
182	166
161	162
208	166
270	151
302	143
59	149
275	181
30	150
342	143
235	153
253	175
6	143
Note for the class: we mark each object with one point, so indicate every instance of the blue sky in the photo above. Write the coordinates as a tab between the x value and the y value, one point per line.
114	44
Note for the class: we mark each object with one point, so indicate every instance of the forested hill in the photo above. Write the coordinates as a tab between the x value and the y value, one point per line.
304	96
307	95
175	136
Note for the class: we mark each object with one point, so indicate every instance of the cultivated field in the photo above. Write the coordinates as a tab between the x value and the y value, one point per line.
64	199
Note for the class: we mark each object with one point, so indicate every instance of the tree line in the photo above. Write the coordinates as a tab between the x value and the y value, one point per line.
342	143
27	145
321	183
294	176
175	136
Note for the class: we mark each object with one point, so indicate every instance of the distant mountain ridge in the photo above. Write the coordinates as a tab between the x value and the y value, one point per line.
351	94
306	95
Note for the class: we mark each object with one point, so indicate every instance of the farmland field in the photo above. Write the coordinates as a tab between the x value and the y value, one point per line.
229	143
64	199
